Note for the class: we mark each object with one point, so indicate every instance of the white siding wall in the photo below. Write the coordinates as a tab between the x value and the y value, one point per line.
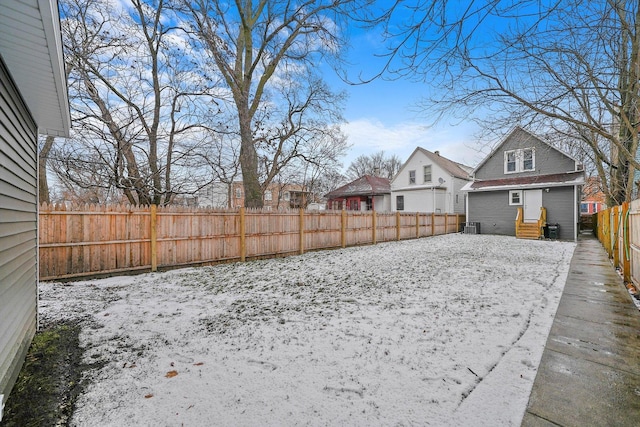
382	203
421	196
18	225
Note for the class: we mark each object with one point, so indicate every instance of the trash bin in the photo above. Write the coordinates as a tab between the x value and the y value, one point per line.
554	231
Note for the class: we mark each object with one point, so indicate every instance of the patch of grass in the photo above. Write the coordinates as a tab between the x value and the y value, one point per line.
50	379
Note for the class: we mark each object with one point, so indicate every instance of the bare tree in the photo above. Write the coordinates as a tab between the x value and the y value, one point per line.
377	164
136	96
267	52
43	157
568	65
321	159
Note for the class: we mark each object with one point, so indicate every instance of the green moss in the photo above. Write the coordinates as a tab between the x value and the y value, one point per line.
49	382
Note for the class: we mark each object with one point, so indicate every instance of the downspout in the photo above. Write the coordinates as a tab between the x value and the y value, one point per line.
575	213
466	206
433	199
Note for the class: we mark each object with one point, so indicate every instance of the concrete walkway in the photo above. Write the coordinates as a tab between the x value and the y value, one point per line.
589	374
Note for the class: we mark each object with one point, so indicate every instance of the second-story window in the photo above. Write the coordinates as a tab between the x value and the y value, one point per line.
267	196
510	161
238	193
520	160
412	177
527	159
427	174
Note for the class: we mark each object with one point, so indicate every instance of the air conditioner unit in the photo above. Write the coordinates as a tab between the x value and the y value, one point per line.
472	228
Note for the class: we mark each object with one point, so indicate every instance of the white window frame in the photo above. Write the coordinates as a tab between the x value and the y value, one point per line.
398	207
511	194
519	161
238	193
424	174
268	196
412	177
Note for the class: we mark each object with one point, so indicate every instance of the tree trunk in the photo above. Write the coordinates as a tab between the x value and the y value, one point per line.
249	161
43	157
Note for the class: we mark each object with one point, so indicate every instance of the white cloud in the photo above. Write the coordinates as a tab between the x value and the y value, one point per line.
368	136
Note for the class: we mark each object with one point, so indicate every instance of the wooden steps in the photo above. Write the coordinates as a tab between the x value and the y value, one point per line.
528	231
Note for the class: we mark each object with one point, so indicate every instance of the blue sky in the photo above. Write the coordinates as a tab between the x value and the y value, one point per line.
383	115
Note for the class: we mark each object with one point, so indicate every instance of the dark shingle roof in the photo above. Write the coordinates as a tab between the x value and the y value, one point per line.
569	178
366	185
455	169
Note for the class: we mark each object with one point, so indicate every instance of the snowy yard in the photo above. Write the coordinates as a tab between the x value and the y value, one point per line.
446	330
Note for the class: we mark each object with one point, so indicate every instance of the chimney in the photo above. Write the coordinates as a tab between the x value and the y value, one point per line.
376	171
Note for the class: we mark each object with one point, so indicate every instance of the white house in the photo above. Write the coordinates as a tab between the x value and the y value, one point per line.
33	100
428	182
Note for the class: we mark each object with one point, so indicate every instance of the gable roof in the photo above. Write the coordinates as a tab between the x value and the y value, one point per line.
366	185
506	138
31	48
549	180
531	135
454	169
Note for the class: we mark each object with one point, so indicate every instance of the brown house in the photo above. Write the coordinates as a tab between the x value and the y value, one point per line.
364	194
593	199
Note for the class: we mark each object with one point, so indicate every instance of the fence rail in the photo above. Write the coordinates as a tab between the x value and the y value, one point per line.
92	240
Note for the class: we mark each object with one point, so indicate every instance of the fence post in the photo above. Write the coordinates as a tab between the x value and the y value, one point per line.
301	231
154	237
417	225
343	229
397	225
446	223
433	223
243	242
626	262
373	226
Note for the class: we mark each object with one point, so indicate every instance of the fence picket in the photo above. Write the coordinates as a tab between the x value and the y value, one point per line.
85	240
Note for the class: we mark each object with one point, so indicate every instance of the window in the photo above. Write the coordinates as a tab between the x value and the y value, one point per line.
412	177
427	173
515	197
527	162
238	193
520	160
400	203
510	159
584	207
287	196
268	196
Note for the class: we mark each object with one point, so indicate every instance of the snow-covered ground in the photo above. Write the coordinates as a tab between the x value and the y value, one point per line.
446	330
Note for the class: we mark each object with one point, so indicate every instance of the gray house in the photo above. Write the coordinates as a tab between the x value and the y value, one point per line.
33	100
524	188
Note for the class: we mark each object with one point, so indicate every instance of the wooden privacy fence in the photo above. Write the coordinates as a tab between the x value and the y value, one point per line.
618	229
92	240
